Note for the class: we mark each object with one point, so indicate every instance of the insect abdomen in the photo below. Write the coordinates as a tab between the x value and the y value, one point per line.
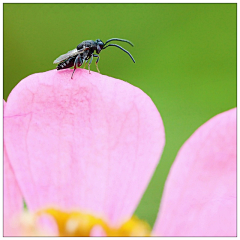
67	63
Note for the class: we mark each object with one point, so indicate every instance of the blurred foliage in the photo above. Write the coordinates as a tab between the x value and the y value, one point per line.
185	60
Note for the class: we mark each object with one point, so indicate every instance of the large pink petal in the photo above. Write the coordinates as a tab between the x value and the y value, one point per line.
90	142
12	197
200	193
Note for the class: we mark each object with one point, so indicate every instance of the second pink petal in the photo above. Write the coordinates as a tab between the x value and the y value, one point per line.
200	193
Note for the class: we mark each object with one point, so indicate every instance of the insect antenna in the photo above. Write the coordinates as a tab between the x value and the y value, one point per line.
115	45
118	39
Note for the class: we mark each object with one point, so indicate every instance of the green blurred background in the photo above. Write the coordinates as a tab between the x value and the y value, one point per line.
185	60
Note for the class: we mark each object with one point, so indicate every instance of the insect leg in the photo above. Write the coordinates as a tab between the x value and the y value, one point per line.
85	63
77	62
90	63
95	55
80	62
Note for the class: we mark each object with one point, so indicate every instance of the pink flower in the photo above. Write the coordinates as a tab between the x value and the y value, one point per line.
93	143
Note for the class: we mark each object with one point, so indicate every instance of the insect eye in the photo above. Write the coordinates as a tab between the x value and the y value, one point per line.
99	48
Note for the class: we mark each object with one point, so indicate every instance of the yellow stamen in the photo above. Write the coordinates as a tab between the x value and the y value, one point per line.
77	223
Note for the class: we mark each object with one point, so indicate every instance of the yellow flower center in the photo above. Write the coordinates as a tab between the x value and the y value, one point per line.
77	223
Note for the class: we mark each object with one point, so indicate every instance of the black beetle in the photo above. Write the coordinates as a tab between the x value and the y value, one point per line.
85	51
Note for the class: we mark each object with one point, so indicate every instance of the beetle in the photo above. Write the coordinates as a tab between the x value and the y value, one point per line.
85	51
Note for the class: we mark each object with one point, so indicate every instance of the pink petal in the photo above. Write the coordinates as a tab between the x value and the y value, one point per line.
47	225
12	197
97	231
200	193
91	142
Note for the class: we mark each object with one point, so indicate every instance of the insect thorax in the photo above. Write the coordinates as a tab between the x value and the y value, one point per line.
87	43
